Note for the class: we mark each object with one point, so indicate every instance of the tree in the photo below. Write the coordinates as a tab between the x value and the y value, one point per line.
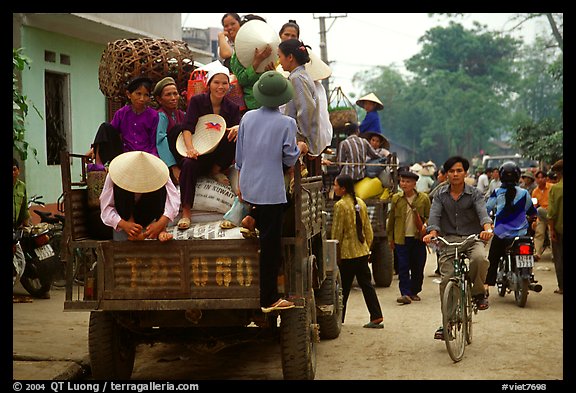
465	77
20	106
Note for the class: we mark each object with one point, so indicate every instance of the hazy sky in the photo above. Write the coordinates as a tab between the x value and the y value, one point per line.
357	41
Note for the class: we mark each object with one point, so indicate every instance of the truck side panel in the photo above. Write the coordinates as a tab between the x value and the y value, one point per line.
189	269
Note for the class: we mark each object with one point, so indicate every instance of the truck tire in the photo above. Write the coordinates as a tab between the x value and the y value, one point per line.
298	337
330	294
382	262
111	347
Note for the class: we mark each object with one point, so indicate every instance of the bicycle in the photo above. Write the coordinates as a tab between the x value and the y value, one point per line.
457	304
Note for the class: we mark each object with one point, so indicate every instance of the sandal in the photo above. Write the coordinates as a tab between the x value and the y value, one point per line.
226	224
439	334
281	304
184	223
165	236
248	234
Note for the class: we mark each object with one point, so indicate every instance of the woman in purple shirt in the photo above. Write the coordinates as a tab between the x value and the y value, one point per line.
213	164
133	126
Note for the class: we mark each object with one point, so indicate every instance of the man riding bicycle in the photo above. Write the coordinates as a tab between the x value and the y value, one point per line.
459	210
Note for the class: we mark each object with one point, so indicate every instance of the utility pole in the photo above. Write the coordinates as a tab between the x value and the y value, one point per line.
323	44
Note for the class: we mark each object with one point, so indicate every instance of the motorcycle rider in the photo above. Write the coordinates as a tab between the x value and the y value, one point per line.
512	205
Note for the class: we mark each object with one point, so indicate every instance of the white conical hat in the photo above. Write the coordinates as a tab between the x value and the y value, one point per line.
138	171
209	131
316	68
256	34
371	97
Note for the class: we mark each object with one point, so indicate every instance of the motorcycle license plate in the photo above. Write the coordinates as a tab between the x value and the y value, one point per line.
524	261
44	252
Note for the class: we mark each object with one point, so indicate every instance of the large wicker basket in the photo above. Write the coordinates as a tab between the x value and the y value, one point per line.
125	59
341	110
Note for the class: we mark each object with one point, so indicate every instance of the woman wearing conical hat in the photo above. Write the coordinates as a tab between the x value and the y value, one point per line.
138	199
371	105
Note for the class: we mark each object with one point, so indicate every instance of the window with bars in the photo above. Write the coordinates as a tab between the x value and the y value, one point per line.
57	104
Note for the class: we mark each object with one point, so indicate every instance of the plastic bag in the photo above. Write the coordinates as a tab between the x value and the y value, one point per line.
237	212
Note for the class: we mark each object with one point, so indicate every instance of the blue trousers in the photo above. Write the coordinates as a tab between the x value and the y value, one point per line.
411	261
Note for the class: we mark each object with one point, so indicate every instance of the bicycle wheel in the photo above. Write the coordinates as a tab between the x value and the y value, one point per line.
454	320
469	310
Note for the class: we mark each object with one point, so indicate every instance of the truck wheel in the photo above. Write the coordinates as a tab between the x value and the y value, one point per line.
111	347
330	294
298	337
382	263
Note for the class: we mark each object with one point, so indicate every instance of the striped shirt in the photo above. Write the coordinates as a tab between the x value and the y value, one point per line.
355	150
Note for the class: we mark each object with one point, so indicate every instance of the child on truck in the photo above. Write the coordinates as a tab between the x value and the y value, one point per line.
266	144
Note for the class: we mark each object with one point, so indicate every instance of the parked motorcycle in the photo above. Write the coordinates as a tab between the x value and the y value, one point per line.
41	261
515	270
18	259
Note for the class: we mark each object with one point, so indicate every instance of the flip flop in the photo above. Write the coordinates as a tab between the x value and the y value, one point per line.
184	223
226	224
165	236
281	304
248	234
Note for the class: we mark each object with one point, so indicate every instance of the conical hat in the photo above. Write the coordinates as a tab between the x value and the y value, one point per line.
371	97
384	142
138	171
256	34
317	69
209	131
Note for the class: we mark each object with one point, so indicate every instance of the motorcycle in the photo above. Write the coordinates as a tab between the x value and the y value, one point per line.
41	261
18	259
515	270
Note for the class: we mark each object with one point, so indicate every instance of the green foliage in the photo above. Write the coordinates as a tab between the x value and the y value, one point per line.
20	106
470	87
541	140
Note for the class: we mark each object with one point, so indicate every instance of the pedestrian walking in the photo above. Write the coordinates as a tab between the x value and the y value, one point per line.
352	228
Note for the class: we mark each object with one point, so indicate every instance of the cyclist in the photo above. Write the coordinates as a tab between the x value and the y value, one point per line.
512	205
459	210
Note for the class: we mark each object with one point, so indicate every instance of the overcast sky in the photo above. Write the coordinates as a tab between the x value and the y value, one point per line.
357	41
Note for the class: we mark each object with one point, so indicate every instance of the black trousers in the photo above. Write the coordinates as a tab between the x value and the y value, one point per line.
269	224
358	267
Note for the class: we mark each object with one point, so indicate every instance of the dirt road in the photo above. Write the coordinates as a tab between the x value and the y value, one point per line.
509	343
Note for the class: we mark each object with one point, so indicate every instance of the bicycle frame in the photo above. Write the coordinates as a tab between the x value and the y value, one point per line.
457	305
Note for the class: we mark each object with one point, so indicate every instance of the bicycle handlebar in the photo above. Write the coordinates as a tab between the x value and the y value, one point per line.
447	243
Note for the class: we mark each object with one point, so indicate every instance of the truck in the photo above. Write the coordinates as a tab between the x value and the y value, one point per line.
202	292
495	161
381	256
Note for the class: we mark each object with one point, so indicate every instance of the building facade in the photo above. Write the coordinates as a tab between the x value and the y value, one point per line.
62	82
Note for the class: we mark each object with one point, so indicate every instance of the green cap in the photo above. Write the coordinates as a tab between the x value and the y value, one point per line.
273	89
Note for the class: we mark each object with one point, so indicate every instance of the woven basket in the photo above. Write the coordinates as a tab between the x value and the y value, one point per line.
340	117
125	59
341	109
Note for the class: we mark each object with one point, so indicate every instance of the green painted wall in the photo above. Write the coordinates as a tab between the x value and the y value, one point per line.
87	103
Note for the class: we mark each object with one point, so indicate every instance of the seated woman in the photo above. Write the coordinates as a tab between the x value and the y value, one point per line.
138	199
167	96
192	166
